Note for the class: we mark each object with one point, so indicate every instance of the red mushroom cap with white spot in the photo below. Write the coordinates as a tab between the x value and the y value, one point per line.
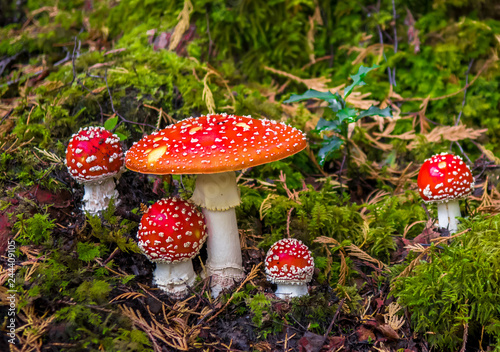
444	177
94	154
289	261
171	230
213	144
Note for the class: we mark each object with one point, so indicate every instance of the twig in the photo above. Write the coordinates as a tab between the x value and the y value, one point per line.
123	119
466	334
288	221
6	116
6	61
381	38
463	153
395	41
210	42
341	303
465	91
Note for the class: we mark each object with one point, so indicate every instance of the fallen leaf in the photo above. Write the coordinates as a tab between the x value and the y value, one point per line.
311	342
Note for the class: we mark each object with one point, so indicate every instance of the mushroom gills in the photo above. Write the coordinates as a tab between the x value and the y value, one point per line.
285	291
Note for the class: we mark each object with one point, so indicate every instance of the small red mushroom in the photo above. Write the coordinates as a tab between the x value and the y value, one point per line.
94	157
289	264
215	146
444	179
171	233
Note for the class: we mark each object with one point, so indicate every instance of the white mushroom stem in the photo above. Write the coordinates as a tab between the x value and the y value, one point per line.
174	278
285	291
224	261
218	194
98	195
448	212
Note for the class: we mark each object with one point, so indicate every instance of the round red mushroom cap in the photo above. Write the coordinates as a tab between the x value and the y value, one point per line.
171	230
94	154
289	261
444	177
213	144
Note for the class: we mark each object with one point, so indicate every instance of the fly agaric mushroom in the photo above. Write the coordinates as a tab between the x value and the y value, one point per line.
171	233
214	146
289	264
94	157
444	179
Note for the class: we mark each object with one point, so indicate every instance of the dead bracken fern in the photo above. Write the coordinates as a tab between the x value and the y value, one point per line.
175	333
127	296
50	156
30	334
391	317
450	133
207	95
311	83
182	25
315	18
355	251
266	205
344	269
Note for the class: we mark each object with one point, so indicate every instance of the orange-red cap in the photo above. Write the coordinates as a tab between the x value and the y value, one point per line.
444	177
289	261
213	144
94	154
171	230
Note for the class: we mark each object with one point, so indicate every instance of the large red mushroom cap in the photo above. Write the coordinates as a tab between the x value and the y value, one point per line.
171	230
94	154
214	144
289	261
444	177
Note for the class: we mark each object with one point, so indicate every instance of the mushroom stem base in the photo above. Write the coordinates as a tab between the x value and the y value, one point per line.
224	261
286	291
174	278
98	195
448	213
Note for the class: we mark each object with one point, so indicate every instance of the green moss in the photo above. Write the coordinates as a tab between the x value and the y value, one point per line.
457	284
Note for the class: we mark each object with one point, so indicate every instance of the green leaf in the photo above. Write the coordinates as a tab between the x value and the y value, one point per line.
373	110
326	125
348	114
121	136
333	144
336	105
111	123
311	94
358	79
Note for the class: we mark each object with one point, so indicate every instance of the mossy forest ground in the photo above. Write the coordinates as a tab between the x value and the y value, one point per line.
386	278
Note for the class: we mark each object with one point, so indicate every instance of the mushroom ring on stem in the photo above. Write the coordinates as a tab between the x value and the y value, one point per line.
444	179
171	233
214	146
94	157
289	264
